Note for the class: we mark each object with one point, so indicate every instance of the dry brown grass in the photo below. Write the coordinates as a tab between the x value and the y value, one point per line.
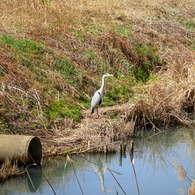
170	100
53	17
182	174
8	170
91	135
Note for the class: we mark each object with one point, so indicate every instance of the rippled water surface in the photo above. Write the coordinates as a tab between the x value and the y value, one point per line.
161	163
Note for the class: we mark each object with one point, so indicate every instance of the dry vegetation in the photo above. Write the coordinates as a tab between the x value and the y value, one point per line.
8	170
53	53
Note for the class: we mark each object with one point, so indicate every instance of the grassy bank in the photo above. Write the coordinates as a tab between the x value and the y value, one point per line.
53	54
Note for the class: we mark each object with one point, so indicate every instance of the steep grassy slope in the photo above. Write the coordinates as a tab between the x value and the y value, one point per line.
53	54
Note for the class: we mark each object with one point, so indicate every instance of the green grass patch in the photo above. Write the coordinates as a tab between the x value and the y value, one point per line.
65	67
117	92
188	23
68	71
116	95
27	47
90	55
148	60
95	30
84	100
79	35
59	109
123	30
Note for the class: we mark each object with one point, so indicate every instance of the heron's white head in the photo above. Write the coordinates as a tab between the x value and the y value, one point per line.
107	75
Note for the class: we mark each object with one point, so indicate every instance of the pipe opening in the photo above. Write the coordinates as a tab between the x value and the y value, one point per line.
34	150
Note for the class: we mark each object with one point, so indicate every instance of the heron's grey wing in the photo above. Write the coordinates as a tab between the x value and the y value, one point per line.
96	101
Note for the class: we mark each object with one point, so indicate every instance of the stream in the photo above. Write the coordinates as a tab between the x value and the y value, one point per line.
162	162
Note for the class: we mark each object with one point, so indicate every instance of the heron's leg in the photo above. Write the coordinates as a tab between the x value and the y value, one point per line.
97	112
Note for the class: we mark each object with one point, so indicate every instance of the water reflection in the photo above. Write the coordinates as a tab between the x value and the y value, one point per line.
97	163
27	183
162	147
155	155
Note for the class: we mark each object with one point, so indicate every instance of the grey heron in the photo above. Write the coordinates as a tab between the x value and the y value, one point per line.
98	95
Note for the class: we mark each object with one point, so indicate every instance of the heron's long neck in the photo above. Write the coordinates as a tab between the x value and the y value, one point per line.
103	84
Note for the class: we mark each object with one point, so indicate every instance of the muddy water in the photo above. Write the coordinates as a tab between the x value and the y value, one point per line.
161	163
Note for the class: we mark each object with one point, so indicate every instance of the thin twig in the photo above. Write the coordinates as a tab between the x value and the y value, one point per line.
76	176
48	182
154	126
132	164
99	165
29	177
97	147
116	180
135	175
41	173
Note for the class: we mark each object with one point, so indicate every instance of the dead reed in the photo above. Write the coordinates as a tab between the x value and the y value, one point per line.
8	170
91	135
170	100
182	174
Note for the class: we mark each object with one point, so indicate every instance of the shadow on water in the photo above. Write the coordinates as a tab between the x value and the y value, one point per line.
161	163
28	182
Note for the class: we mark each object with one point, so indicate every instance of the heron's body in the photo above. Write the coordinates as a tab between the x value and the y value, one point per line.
98	95
96	100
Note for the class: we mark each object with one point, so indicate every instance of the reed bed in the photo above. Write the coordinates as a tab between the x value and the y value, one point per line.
91	135
170	100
